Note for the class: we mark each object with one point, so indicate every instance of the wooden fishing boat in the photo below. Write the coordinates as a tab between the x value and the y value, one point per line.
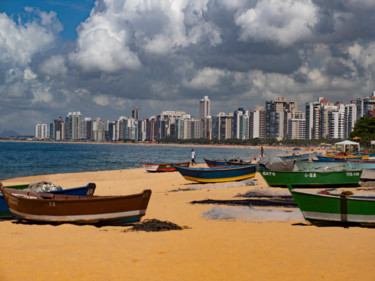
87	190
218	174
58	208
226	163
370	155
312	178
321	158
300	157
361	164
216	163
306	166
344	156
167	167
325	208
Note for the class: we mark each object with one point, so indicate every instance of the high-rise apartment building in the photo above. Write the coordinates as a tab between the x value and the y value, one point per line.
41	131
277	114
241	124
57	129
257	122
350	118
73	126
336	122
366	106
135	113
313	118
204	107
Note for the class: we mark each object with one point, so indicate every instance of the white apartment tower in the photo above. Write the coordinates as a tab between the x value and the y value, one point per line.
41	131
204	107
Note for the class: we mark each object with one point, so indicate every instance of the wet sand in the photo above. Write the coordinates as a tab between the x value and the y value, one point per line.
206	250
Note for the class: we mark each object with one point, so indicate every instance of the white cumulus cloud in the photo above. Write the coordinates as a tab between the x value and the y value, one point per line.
283	22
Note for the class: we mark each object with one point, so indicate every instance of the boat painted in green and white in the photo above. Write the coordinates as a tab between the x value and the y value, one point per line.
312	178
325	208
304	165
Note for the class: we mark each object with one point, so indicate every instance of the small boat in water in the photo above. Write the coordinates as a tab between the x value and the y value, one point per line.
58	208
312	178
218	174
325	208
87	190
166	167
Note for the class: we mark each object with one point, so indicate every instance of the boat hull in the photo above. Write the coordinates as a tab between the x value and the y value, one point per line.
321	165
167	167
87	190
216	163
226	163
312	178
218	174
361	164
328	159
56	208
321	209
348	156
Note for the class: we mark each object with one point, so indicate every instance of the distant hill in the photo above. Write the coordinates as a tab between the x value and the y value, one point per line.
9	134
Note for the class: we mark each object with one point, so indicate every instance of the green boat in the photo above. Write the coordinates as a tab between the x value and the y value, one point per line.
304	165
312	178
324	208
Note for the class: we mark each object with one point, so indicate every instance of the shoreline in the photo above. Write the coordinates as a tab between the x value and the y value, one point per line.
311	148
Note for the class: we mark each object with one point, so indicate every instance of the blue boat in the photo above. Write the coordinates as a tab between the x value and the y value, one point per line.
226	163
321	158
216	163
299	157
87	190
363	153
218	174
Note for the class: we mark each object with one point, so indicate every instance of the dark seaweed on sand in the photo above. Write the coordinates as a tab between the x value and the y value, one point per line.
156	225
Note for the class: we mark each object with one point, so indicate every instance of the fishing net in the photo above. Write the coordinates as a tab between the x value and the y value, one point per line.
43	186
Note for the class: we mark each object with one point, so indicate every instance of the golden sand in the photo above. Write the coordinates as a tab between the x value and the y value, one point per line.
207	250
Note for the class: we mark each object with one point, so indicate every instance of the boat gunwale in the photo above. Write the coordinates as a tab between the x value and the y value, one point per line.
237	167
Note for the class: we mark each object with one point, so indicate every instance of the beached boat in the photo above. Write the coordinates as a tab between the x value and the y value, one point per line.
312	178
87	190
306	166
322	158
344	156
218	174
370	155
326	208
226	163
300	157
167	167
58	208
361	164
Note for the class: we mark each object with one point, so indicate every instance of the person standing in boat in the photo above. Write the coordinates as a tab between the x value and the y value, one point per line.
261	152
193	157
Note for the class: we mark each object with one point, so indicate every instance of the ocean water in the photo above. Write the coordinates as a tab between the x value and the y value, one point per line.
19	159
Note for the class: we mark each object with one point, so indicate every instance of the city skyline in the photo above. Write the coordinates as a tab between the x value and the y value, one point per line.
107	57
278	119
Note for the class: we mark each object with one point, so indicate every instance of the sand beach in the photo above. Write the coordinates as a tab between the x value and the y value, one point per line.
206	249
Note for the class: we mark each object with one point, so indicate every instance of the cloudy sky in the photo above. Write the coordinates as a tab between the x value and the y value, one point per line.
105	57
